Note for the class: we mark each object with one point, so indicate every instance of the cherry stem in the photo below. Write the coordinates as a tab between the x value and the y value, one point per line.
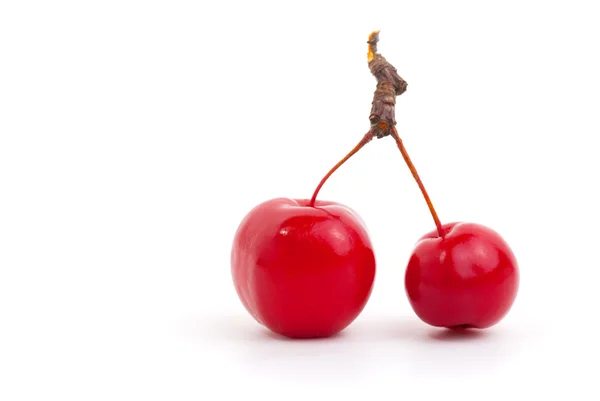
366	139
415	175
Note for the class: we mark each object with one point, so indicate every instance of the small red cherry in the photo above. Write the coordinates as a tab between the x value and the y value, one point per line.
468	278
302	269
462	275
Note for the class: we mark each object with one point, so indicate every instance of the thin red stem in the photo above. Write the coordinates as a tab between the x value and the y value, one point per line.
415	175
366	139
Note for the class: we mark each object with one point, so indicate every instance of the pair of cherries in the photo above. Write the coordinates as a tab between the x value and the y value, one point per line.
306	268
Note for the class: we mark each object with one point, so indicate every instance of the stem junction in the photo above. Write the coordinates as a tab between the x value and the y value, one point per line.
382	118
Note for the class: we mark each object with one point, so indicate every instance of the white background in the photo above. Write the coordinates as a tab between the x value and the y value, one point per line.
135	136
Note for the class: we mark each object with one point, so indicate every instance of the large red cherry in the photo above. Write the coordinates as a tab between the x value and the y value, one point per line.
303	269
466	279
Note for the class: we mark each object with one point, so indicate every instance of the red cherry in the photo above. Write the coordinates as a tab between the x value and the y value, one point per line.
303	271
462	275
466	279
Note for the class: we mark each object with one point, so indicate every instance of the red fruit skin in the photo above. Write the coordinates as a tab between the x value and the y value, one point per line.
468	279
303	272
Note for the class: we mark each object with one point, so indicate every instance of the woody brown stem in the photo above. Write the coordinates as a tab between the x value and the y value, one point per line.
383	119
389	85
383	112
